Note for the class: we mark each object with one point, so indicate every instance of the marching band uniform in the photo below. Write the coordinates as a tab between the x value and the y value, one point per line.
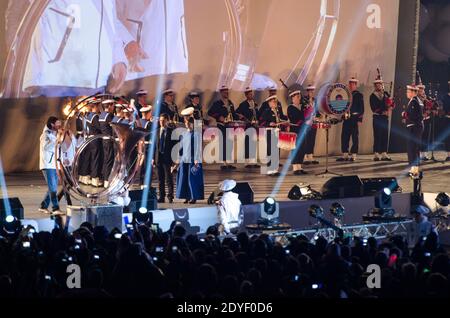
221	110
380	103
90	167
141	99
308	108
190	183
268	118
198	112
296	115
446	107
413	117
427	126
350	127
147	124
105	120
170	109
265	105
248	109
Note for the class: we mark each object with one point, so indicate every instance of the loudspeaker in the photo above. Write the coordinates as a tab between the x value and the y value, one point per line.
343	187
374	185
245	192
16	208
136	200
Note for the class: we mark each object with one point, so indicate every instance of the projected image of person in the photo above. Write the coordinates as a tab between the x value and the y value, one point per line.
159	29
81	47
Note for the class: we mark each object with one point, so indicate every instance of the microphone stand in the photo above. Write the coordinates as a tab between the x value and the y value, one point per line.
327	133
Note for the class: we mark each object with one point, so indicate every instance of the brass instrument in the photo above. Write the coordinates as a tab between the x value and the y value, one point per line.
229	117
254	120
129	138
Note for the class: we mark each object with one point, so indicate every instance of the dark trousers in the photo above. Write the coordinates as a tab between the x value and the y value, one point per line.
165	176
413	144
301	145
92	158
426	136
310	141
108	158
63	192
380	133
350	129
225	151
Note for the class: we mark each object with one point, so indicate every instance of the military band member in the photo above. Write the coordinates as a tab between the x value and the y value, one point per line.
271	118
265	105
296	117
308	105
427	126
380	103
413	118
352	119
141	96
248	111
168	106
446	110
90	167
195	103
146	122
105	119
223	111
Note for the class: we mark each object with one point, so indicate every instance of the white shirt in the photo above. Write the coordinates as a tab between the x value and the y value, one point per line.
79	64
47	146
229	207
163	35
68	152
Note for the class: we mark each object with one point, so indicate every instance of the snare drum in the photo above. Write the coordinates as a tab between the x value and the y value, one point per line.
321	125
287	140
236	124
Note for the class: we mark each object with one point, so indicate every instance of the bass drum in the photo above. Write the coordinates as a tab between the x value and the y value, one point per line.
335	99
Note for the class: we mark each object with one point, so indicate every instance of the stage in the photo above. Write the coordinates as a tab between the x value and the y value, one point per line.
30	187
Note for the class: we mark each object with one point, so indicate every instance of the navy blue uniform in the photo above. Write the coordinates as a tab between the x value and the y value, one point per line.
414	124
350	126
163	161
92	161
380	122
296	116
218	110
446	106
250	114
105	120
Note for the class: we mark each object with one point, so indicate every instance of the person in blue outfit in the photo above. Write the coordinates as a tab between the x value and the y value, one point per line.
190	183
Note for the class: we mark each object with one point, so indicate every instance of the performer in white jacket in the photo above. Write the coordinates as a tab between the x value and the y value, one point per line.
47	164
229	208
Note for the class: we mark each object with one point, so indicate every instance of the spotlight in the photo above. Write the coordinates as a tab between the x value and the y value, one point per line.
337	210
142	216
316	211
11	225
383	202
442	199
269	212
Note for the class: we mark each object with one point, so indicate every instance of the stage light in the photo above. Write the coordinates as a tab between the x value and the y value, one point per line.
316	211
9	219
143	210
337	210
383	204
269	205
11	225
142	216
442	199
269	212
